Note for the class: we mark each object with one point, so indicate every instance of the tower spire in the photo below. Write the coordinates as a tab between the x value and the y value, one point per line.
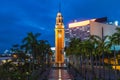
59	6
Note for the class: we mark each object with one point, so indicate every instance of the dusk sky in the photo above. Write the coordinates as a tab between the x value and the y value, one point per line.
18	17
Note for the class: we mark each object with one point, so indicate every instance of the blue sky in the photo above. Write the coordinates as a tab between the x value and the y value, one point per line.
18	17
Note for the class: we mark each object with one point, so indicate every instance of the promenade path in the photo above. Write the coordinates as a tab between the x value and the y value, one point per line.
59	72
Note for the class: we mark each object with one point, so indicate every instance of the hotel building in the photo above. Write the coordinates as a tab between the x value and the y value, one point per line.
83	29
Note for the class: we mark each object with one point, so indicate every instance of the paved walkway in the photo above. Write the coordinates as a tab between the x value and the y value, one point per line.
59	72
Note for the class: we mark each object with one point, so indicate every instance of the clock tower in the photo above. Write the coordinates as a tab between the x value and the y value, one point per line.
59	39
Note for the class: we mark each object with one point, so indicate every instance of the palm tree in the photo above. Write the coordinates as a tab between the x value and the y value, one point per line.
92	46
43	51
94	39
115	40
80	50
103	46
30	43
73	49
87	50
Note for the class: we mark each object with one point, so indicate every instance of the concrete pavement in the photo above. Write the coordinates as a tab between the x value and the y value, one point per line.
59	72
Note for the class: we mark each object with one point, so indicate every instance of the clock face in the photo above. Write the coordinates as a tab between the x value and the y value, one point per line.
59	35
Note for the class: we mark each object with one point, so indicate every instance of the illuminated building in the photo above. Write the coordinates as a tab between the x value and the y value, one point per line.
84	29
59	39
101	29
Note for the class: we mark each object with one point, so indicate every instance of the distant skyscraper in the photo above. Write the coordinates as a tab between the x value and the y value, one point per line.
59	39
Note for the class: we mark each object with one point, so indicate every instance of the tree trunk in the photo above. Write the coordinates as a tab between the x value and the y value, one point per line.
81	64
103	65
108	67
99	67
115	63
92	67
85	64
96	67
